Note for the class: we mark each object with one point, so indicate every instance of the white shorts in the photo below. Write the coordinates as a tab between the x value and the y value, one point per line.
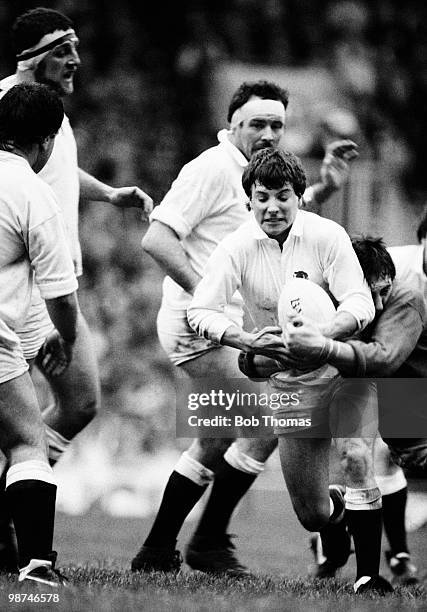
179	341
12	362
37	326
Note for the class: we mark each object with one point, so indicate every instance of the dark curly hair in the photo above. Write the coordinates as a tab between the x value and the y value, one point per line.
374	259
29	113
262	89
272	168
31	26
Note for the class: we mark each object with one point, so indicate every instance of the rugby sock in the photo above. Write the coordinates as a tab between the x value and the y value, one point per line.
394	506
31	494
57	444
364	519
334	536
235	475
185	486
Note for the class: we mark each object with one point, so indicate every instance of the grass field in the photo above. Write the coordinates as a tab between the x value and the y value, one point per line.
95	551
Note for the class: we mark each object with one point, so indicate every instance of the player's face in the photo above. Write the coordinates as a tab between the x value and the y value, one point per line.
259	132
57	69
380	291
274	209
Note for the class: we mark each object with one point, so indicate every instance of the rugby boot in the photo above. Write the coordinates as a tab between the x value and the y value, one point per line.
150	559
214	556
404	572
43	572
377	585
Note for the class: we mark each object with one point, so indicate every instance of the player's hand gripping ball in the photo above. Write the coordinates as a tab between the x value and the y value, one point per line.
303	307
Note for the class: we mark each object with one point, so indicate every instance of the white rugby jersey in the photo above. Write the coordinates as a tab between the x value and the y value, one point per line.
409	266
61	173
205	203
32	241
252	263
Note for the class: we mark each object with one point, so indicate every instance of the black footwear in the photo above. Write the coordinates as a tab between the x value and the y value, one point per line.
214	556
156	560
404	572
376	585
339	550
42	571
336	493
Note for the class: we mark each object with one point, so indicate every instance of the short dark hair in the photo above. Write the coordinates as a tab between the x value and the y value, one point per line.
422	228
265	90
29	113
272	168
374	259
31	26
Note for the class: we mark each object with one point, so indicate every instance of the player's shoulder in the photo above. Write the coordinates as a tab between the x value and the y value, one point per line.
404	293
210	161
323	228
242	239
404	255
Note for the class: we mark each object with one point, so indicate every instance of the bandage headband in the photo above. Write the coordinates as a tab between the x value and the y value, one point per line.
255	108
30	58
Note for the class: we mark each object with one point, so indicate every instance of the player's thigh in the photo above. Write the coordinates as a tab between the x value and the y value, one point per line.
305	466
353	409
20	417
79	383
215	363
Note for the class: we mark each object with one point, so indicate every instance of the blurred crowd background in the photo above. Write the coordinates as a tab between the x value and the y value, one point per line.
149	96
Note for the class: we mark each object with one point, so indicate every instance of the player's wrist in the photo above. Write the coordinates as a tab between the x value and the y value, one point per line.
246	364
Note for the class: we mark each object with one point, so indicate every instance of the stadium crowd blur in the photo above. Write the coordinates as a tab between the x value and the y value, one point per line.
140	110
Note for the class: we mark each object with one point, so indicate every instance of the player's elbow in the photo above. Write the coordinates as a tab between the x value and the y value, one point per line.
149	243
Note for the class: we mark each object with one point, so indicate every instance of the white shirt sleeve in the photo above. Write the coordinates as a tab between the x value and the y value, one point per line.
346	281
48	249
192	197
221	280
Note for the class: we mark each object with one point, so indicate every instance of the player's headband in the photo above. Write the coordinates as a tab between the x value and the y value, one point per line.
30	58
255	108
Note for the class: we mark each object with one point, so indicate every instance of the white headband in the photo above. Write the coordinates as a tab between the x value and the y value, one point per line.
30	58
255	108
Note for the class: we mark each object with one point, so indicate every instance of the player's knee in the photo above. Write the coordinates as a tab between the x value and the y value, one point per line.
313	517
209	451
356	461
208	445
259	449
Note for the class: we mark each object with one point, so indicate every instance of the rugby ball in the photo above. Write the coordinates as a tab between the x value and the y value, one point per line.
304	297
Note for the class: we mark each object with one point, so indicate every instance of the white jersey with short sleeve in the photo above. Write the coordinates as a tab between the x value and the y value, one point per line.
32	249
252	263
408	261
205	203
61	174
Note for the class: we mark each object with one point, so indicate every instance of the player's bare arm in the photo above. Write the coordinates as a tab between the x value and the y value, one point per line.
162	243
266	342
58	348
122	197
334	172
